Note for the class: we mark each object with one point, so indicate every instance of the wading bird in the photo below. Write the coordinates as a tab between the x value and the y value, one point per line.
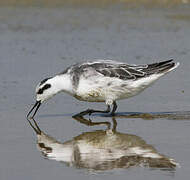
101	81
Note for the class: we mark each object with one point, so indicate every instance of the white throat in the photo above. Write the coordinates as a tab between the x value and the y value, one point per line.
62	83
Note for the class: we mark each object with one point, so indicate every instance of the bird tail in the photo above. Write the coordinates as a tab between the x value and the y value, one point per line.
162	67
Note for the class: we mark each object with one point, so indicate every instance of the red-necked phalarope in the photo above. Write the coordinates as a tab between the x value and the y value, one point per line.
101	81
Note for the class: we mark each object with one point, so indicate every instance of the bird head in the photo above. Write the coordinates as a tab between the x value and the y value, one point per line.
49	87
44	91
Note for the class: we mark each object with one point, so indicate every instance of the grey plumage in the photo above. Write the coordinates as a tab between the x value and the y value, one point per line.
118	70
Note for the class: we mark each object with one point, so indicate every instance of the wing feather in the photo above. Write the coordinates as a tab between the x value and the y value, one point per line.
116	69
121	71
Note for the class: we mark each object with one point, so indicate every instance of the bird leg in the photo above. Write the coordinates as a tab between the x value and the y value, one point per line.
90	111
114	108
114	124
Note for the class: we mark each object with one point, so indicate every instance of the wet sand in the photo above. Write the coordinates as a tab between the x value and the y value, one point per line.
37	42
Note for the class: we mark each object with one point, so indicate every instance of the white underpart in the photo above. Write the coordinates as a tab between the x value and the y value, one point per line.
135	87
98	89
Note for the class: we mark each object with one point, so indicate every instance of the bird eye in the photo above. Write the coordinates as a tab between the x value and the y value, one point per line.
41	90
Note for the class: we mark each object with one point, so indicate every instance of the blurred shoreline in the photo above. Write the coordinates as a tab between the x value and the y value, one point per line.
96	3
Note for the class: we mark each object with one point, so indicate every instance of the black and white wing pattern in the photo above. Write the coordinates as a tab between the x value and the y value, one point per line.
124	71
114	69
120	70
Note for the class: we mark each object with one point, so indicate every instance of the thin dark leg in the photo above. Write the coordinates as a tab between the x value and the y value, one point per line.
114	124
90	111
114	108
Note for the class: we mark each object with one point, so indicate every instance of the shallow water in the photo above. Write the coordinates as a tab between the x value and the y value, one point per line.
38	42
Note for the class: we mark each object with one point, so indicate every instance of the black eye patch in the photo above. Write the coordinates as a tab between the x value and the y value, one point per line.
41	90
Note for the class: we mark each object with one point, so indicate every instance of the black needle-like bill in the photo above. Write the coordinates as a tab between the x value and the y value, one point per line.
36	105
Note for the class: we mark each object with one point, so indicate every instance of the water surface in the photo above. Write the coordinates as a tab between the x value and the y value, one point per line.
37	42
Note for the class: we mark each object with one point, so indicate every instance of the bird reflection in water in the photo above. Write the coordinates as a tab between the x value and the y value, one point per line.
102	149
